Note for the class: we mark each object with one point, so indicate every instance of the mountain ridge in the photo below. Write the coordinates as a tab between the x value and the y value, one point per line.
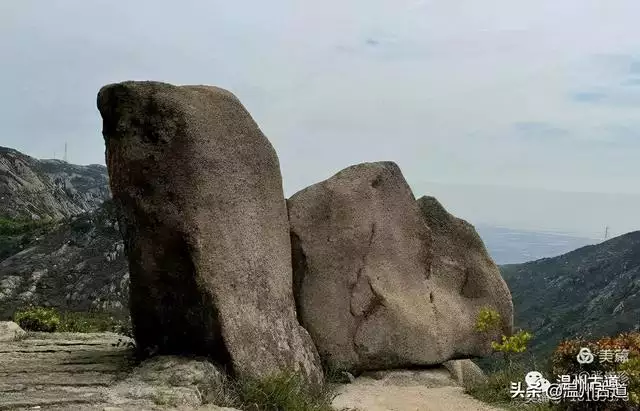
32	189
591	291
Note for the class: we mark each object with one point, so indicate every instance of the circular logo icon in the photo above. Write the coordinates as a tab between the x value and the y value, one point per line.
585	356
535	380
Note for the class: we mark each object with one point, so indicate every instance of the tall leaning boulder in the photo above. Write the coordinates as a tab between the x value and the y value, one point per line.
205	225
376	286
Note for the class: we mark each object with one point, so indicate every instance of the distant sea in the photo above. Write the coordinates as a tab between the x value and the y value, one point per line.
513	246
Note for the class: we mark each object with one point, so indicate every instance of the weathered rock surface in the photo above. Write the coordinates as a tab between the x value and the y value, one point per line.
205	227
168	380
61	371
78	265
10	331
48	189
406	390
373	286
466	278
466	372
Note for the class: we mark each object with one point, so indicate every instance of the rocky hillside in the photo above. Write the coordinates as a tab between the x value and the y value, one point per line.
76	263
48	189
594	290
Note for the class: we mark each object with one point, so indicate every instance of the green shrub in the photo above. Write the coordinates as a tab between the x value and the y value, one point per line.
488	320
38	319
632	369
496	389
49	319
282	392
91	322
564	362
516	343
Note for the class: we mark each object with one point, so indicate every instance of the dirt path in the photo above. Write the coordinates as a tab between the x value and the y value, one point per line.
432	390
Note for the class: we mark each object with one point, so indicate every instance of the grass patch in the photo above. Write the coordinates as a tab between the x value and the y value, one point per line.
48	319
93	322
282	392
496	390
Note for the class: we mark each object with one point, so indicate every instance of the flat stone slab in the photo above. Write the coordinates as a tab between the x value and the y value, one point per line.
61	369
74	372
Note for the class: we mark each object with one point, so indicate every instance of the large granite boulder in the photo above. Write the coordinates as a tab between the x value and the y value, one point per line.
467	280
372	285
205	226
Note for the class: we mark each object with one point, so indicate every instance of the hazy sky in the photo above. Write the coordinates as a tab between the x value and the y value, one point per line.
525	93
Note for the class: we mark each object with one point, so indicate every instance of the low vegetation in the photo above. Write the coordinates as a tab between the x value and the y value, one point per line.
507	352
283	392
16	234
9	226
513	367
496	390
488	321
48	319
38	319
564	362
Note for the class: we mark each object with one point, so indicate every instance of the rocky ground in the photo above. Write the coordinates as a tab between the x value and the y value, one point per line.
403	390
68	371
97	371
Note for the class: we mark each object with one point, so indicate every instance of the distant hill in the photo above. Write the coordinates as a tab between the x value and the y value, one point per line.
48	189
76	263
594	290
512	246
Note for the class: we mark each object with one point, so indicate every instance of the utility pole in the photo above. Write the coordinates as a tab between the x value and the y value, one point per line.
606	232
65	152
